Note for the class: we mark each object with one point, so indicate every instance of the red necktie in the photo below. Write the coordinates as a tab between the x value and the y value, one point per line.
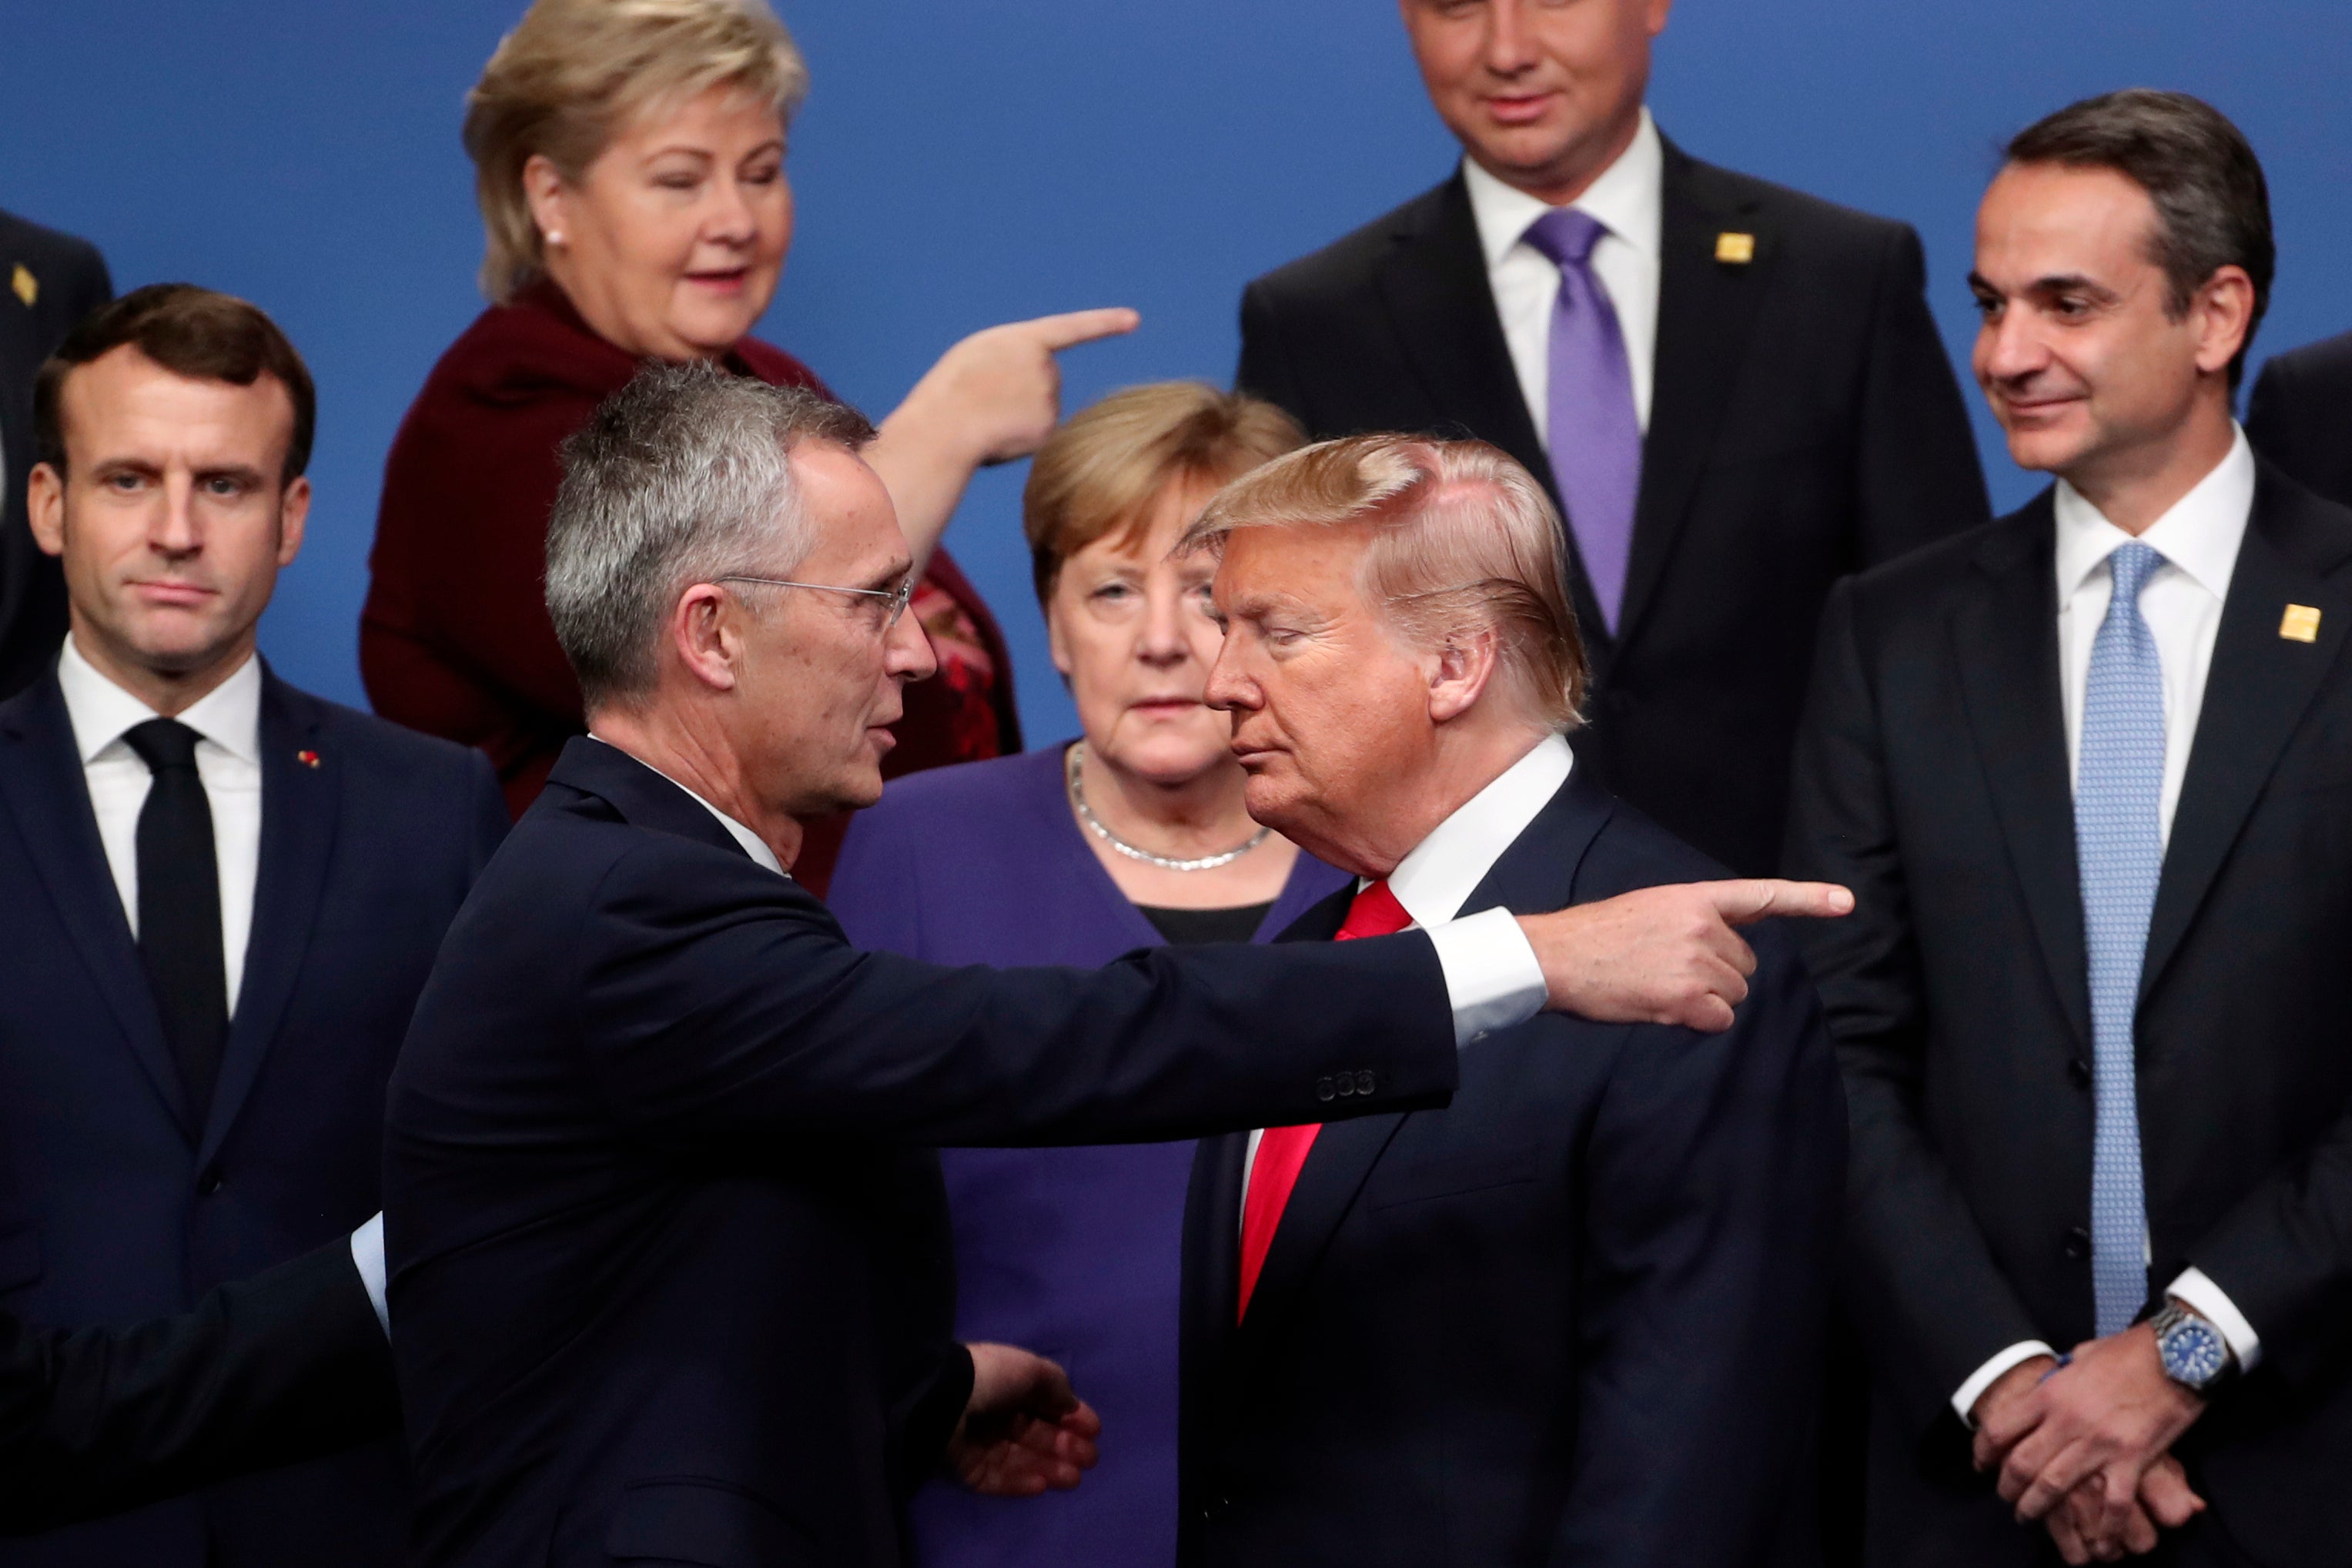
1282	1151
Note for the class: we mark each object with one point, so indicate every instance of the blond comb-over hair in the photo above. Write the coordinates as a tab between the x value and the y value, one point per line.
573	71
1464	542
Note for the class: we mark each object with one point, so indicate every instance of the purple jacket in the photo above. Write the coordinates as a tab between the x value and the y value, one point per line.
1074	1253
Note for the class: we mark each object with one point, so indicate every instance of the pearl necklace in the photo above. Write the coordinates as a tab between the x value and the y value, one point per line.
1095	826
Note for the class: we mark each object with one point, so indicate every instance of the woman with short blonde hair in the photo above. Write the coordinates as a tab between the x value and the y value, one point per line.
1133	835
629	162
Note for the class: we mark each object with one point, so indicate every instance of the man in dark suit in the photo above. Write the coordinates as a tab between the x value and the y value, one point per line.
2085	769
48	282
286	1367
229	893
1733	391
662	1274
2300	416
1575	1317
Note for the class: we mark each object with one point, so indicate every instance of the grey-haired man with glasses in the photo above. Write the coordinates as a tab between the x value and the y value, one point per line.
669	1275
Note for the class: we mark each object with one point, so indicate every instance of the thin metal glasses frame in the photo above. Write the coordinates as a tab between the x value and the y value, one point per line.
897	598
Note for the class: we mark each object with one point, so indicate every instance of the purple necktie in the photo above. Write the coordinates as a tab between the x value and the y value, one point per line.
1596	442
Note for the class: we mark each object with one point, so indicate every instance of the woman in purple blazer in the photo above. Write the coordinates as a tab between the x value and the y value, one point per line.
1134	835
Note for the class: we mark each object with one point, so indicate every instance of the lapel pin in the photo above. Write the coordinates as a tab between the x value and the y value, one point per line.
27	287
2300	623
307	758
1735	249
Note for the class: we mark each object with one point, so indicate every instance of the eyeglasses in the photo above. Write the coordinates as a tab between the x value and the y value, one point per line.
896	597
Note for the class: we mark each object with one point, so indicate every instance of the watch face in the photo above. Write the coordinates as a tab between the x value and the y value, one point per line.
2193	1354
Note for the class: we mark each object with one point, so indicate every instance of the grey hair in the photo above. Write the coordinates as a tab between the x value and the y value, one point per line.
683	476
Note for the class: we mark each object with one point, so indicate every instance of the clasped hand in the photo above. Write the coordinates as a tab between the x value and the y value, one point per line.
2086	1447
1023	1431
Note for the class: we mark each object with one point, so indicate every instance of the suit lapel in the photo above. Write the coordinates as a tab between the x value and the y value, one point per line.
298	809
1530	875
1435	285
1706	312
2005	647
2256	693
45	792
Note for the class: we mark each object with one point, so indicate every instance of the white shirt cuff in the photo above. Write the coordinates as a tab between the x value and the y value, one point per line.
2196	1291
367	1256
1964	1403
1491	974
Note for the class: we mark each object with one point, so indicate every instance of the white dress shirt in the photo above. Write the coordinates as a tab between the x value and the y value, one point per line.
2181	602
227	722
1629	201
1442	872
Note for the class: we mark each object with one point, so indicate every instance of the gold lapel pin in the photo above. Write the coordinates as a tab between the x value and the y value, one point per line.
2300	623
27	287
1735	249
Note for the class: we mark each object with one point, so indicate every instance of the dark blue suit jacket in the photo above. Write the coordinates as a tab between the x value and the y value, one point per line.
115	1203
646	1177
1575	1318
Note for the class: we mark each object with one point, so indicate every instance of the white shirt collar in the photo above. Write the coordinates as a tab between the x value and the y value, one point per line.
2200	534
1444	869
1629	198
753	844
229	716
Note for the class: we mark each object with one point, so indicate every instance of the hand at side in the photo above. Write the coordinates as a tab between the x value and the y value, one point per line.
1024	1431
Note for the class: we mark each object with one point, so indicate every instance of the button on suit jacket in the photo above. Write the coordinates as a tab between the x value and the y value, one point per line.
662	1274
1933	781
119	1203
1805	423
1573	1318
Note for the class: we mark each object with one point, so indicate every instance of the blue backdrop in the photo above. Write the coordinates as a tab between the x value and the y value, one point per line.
959	165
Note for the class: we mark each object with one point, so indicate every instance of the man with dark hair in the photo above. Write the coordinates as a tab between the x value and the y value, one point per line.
2300	415
48	282
230	893
1734	392
2085	769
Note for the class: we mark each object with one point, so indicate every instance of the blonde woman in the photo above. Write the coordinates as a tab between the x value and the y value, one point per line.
1131	835
629	159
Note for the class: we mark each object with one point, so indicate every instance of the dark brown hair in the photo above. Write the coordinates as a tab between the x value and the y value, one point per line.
190	332
2212	205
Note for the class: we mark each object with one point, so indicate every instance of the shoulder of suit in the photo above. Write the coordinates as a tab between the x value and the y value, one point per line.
1347	262
38	246
1934	574
378	742
2324	367
1796	215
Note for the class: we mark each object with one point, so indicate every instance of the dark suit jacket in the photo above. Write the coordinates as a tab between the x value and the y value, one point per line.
643	1208
1932	779
1573	1318
284	1366
68	281
115	1203
1804	424
2300	416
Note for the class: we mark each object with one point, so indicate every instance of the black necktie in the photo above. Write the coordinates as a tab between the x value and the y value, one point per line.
179	906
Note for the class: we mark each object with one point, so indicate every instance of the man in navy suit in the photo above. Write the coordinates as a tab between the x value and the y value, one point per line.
667	1281
224	896
1575	1317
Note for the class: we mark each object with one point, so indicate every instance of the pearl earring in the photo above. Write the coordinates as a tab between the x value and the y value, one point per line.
554	237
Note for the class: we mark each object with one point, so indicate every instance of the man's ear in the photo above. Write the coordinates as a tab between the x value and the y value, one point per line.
1460	674
293	512
704	630
45	497
2224	308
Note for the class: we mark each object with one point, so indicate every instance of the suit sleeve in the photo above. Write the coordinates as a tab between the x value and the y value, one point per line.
1265	371
1918	477
1928	1296
485	809
1714	1171
724	1009
287	1366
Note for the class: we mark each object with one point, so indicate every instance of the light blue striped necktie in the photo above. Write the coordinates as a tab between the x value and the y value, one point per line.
2119	851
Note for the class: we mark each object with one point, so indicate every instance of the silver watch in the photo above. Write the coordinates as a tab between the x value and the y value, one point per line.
2192	1350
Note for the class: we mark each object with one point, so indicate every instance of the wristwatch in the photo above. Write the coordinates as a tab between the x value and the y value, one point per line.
2192	1350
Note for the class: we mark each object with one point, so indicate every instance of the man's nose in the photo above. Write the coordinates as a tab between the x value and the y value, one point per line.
1510	41
906	650
2010	346
1226	690
172	530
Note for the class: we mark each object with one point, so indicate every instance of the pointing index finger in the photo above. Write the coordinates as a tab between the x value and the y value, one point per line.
1741	903
1075	327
